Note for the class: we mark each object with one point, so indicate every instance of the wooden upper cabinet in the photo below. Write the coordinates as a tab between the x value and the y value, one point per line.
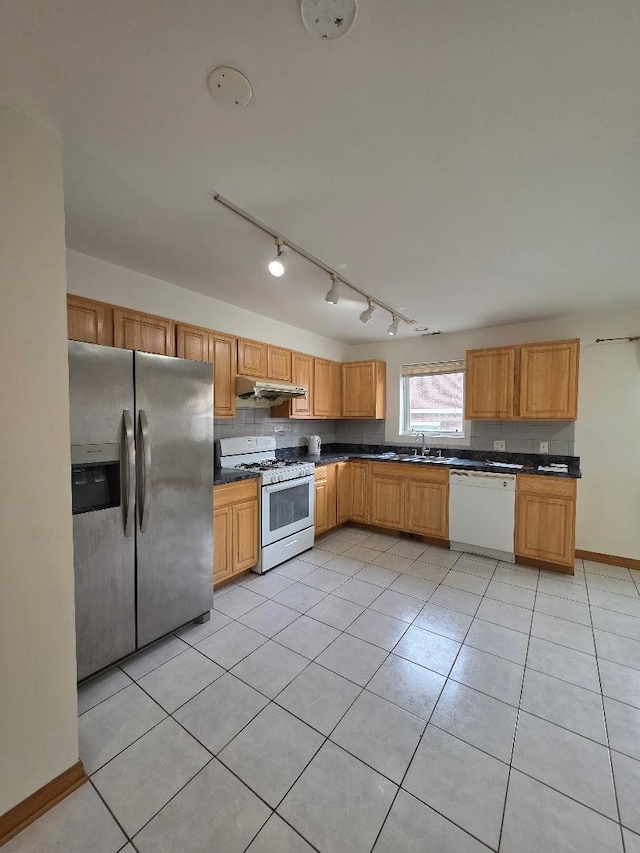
364	389
327	386
278	363
252	358
545	519
204	345
490	381
192	342
223	354
549	380
145	332
302	374
89	321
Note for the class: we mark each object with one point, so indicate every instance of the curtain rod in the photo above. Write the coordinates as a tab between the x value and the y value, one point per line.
632	338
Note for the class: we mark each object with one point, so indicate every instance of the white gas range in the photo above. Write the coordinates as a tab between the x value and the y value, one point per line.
286	496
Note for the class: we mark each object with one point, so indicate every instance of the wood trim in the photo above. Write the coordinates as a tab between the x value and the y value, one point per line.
20	816
543	564
608	559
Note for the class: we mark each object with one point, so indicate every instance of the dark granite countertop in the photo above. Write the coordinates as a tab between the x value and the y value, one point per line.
231	475
468	460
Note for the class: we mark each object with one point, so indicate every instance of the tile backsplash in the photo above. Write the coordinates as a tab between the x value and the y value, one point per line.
525	436
287	432
519	436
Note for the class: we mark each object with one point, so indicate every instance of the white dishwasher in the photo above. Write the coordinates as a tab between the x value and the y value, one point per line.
482	513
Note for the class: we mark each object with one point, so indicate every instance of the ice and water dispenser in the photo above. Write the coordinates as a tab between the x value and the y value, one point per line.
95	477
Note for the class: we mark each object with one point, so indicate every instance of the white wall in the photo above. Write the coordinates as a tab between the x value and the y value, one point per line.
97	279
608	426
38	715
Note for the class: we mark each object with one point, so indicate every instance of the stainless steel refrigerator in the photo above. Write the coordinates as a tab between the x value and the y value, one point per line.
142	487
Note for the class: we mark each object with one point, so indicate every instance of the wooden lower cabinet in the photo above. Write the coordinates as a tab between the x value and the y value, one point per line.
235	529
343	493
359	491
386	498
325	499
545	519
427	507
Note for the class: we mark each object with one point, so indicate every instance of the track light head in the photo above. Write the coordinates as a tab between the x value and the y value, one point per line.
276	266
393	326
367	313
333	295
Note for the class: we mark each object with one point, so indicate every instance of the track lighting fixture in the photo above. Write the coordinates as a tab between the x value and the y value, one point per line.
393	326
276	266
333	295
367	313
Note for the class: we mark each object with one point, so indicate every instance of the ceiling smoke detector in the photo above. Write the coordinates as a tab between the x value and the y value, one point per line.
229	86
328	19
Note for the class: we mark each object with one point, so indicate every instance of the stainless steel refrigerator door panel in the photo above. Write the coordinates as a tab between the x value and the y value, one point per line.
104	590
175	551
101	389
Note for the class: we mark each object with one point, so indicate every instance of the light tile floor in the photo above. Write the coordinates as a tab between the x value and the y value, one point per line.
374	694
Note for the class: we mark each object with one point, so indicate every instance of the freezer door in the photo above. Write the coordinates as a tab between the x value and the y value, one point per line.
101	391
174	453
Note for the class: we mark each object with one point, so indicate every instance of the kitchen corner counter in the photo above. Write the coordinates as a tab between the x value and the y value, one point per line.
525	466
221	476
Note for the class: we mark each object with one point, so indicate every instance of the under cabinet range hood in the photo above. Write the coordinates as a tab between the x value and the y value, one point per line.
264	389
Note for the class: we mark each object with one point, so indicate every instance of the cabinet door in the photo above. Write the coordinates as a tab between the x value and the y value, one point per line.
359	491
192	342
549	380
245	535
387	502
545	528
89	321
490	384
363	389
145	332
222	352
343	492
321	507
252	358
222	544
302	374
278	363
327	386
427	509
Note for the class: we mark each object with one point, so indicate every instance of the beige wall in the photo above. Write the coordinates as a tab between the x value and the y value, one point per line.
38	717
608	426
97	279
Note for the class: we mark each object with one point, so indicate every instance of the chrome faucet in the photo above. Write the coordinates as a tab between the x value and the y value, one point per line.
423	448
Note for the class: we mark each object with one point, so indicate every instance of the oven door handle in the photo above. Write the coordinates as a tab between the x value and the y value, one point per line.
287	484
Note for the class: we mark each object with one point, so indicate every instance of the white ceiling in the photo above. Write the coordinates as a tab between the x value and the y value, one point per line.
472	163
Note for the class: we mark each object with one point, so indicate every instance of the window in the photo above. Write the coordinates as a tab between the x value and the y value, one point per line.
433	398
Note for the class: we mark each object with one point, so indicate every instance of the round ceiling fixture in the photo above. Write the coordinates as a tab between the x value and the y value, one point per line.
229	86
328	19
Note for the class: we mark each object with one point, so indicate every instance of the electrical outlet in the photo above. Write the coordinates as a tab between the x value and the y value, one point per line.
544	447
498	445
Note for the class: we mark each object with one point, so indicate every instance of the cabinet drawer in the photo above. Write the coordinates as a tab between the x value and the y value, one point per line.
415	471
534	484
231	493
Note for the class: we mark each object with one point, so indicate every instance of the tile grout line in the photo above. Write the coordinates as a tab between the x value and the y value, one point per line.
606	729
515	731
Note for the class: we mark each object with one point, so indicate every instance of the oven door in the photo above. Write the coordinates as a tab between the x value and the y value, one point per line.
286	508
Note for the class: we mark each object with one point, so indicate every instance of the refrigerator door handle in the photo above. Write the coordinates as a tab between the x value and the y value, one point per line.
144	478
129	472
